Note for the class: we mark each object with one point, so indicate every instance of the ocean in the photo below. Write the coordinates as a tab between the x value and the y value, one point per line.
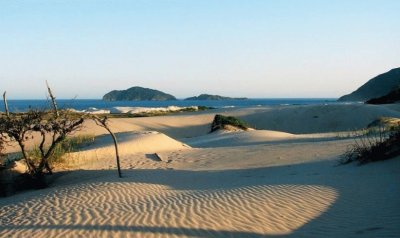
83	104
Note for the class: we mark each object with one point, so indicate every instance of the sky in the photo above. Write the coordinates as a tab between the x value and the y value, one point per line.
248	48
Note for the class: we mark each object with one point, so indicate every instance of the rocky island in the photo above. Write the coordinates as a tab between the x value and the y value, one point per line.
212	97
137	94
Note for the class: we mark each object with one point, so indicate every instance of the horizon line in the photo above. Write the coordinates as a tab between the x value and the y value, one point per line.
177	99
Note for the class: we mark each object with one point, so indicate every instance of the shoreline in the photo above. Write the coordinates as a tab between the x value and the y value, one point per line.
281	179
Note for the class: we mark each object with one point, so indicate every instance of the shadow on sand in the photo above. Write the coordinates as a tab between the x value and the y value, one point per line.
345	180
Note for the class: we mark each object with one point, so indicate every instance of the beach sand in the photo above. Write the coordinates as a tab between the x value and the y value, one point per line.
280	180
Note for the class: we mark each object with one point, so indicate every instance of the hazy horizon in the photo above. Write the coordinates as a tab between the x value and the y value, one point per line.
254	49
178	98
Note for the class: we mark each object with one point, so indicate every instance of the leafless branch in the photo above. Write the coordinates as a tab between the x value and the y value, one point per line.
5	104
53	99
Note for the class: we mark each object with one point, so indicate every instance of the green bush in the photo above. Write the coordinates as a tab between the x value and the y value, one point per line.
220	121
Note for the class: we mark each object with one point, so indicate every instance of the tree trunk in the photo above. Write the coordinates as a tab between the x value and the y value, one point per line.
47	166
103	123
116	151
31	166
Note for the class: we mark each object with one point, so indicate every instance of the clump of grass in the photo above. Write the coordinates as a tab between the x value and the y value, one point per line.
376	144
71	144
390	123
221	121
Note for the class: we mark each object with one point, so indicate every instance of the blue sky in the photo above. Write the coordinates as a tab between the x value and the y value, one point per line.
246	48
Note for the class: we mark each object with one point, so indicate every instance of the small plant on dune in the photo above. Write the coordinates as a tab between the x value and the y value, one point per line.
375	144
221	121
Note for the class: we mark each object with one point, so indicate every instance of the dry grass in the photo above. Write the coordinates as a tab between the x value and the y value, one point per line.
375	144
71	144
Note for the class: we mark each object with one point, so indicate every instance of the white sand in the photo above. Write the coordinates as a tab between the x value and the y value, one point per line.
258	183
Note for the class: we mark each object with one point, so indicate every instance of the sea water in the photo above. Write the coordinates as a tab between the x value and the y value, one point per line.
83	104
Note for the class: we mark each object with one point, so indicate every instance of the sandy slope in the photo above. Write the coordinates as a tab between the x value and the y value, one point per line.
318	118
290	119
258	183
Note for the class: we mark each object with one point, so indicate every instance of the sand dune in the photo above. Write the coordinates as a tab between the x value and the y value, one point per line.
102	152
291	119
317	118
252	137
176	126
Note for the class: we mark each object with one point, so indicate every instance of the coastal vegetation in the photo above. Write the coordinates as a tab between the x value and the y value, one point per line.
12	181
69	145
53	128
376	143
222	122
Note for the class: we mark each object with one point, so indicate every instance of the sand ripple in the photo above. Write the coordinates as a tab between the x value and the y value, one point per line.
125	209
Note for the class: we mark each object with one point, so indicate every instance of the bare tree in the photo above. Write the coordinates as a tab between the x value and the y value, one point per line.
52	127
18	127
56	126
103	122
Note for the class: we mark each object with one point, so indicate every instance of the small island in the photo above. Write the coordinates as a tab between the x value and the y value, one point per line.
212	97
137	94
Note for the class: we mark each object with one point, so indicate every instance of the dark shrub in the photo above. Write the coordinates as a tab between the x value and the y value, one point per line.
377	145
220	121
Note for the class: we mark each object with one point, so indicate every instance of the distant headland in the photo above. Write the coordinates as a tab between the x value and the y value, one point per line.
376	87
